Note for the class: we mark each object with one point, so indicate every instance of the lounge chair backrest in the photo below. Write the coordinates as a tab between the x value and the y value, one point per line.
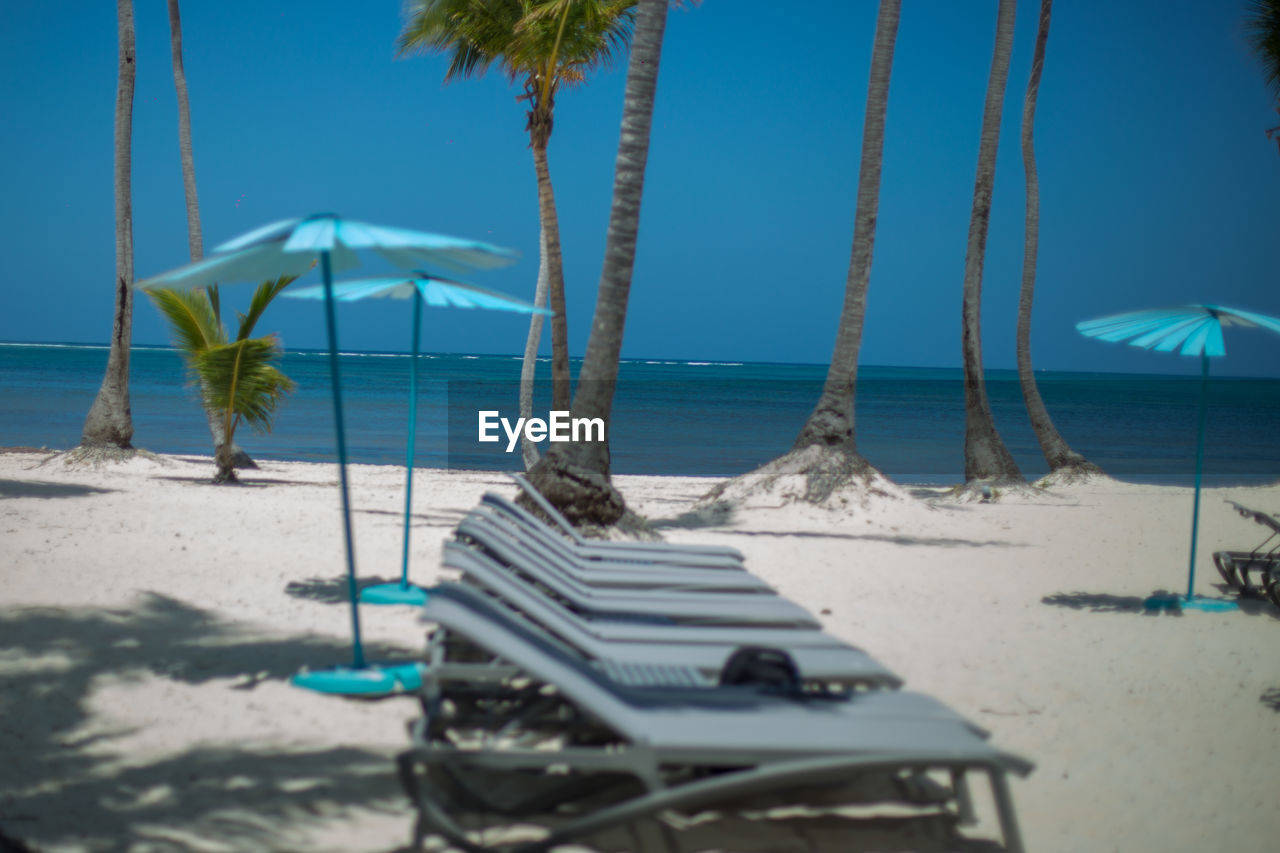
512	641
1258	516
547	507
724	607
559	615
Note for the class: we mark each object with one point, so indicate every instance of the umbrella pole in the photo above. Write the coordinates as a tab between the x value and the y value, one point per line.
336	378
413	432
1195	511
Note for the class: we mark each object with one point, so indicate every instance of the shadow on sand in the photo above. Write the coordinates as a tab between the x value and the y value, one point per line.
42	489
62	784
1102	602
332	590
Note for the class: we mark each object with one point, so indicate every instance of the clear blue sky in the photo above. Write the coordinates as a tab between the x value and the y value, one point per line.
1158	184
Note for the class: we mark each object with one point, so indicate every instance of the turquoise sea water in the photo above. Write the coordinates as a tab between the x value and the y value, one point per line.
670	417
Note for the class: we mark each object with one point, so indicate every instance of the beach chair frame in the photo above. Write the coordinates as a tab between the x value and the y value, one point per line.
1235	566
675	748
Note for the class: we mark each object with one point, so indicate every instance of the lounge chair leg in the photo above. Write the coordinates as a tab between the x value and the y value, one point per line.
964	797
1004	810
429	812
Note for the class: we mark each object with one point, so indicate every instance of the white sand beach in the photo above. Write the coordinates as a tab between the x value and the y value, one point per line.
149	622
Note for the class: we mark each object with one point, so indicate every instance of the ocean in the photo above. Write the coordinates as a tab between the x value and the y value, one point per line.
703	418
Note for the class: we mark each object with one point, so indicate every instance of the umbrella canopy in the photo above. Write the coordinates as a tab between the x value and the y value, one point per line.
290	247
1190	330
437	293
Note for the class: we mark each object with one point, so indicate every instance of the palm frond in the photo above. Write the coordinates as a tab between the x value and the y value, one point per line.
594	32
1262	29
195	329
262	297
525	36
241	380
474	33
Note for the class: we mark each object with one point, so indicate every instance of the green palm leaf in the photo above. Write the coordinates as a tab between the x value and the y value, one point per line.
1262	29
262	297
240	379
195	328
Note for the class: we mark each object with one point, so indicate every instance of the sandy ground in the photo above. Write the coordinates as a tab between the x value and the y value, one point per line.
149	622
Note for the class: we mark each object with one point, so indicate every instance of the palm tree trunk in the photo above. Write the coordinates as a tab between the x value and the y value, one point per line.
529	367
575	475
985	454
1056	451
110	421
560	394
195	236
831	424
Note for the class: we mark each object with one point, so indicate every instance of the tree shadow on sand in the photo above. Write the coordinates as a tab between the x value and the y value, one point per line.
43	489
1102	602
1271	698
62	784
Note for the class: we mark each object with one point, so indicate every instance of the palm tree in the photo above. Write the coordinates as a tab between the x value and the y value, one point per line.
1061	458
110	422
825	451
1262	28
985	455
575	475
238	379
241	381
550	44
195	238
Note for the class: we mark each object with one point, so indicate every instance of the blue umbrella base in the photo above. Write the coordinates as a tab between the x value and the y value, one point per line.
1193	602
393	593
370	680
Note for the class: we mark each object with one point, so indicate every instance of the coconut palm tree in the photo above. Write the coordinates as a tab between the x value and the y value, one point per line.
1061	458
242	382
238	379
1262	28
109	423
985	454
549	44
195	238
575	475
825	451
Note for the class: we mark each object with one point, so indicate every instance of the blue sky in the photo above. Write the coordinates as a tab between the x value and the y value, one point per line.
1158	185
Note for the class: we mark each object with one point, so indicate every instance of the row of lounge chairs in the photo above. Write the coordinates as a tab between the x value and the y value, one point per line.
586	685
1258	570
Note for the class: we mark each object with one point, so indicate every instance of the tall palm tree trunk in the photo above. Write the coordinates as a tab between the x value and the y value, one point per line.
575	475
985	454
560	393
529	366
550	284
195	236
1056	451
110	421
825	451
831	423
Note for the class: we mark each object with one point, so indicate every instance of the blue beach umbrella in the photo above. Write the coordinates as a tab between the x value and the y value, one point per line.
1190	330
437	293
290	247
